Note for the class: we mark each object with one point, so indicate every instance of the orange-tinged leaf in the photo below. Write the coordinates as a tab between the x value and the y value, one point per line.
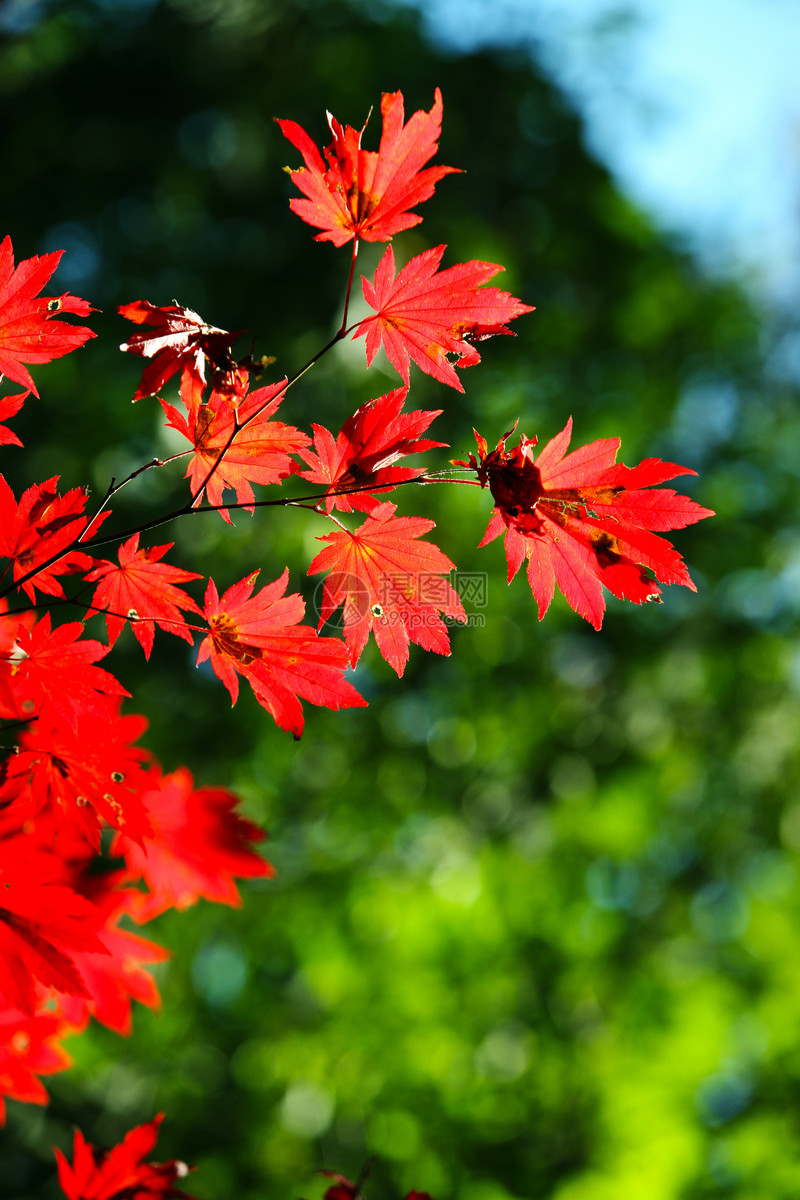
391	584
360	193
425	314
260	450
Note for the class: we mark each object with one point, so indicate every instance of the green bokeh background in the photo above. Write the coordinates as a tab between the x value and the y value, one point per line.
534	931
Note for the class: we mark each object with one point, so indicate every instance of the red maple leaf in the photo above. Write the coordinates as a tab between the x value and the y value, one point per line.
584	522
390	583
376	436
43	921
121	1173
10	623
80	775
142	590
199	846
259	452
114	975
42	526
425	316
28	1047
30	331
53	669
258	636
9	407
360	193
179	341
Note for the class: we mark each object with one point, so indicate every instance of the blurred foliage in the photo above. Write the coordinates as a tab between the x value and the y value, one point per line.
534	931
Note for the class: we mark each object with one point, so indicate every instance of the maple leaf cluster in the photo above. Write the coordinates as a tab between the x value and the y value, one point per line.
69	953
77	770
122	1174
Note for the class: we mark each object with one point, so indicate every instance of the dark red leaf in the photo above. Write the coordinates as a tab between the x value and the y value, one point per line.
584	522
179	341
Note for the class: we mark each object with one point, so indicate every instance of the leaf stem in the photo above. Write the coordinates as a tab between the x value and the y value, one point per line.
343	327
115	487
238	426
190	508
